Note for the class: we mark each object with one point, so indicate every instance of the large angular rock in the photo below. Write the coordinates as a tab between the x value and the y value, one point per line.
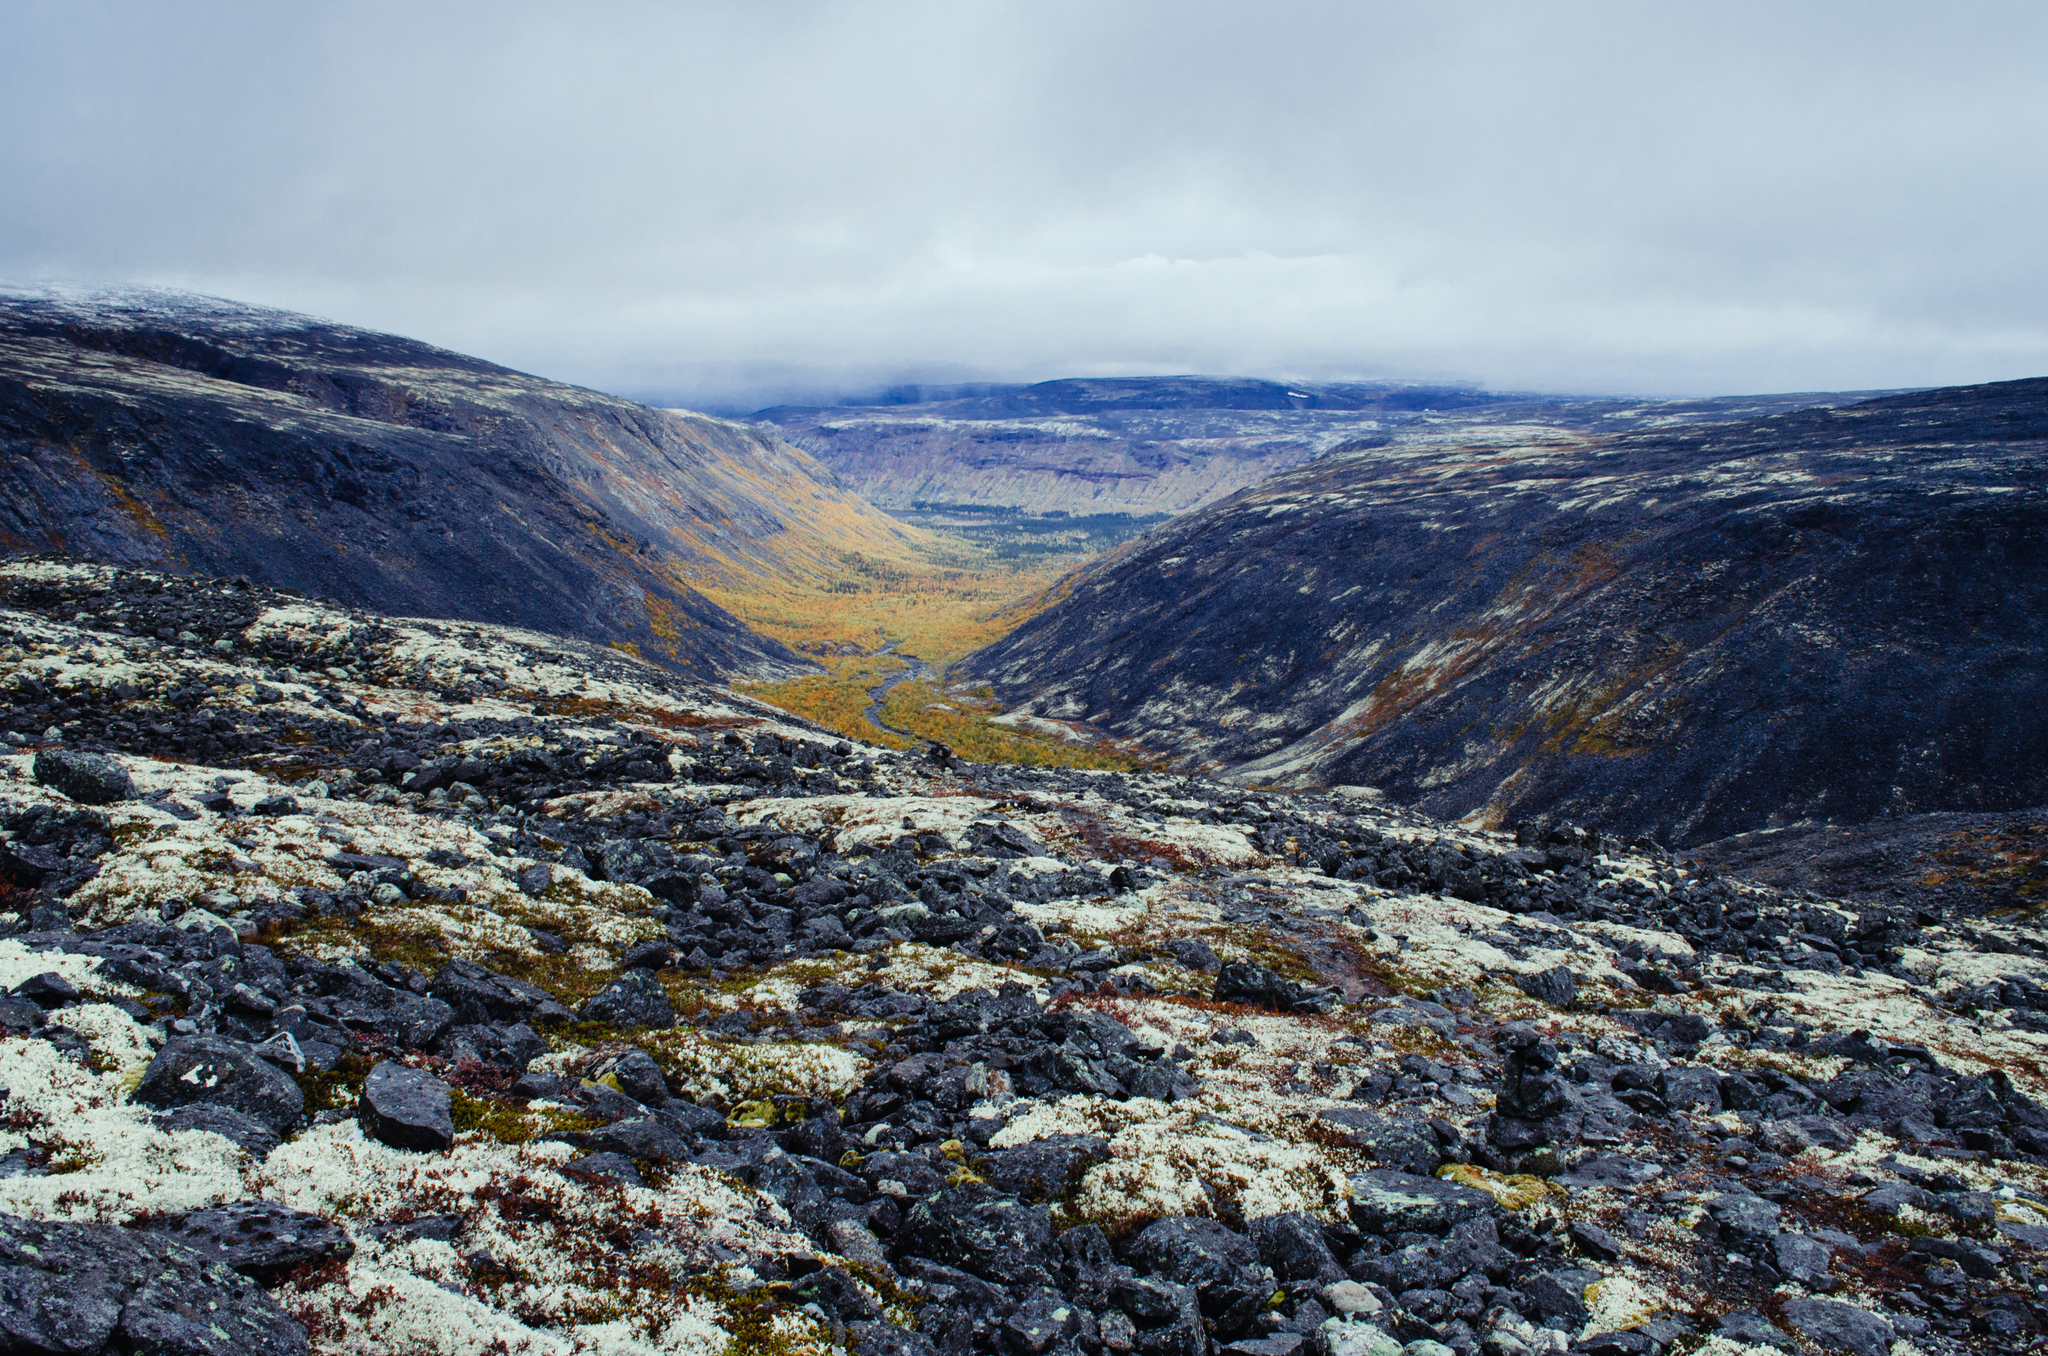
640	1078
1048	1168
1387	1202
1836	1326
643	1139
1247	982
1796	1134
1751	1328
48	991
1561	1294
1690	1089
247	1133
406	1108
984	1233
481	997
886	1339
1166	1317
261	1239
1294	1246
1404	1145
634	999
88	778
87	1289
502	1047
1744	1220
1557	986
1223	1267
223	1072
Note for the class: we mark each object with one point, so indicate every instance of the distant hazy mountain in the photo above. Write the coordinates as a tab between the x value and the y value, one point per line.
1147	445
172	430
1689	628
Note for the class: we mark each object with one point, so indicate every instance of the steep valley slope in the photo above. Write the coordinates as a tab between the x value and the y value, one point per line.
1688	630
161	428
372	985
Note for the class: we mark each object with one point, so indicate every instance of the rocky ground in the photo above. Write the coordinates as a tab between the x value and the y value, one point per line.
388	986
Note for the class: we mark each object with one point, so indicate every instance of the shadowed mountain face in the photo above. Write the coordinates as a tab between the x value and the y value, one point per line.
1149	445
161	429
1690	631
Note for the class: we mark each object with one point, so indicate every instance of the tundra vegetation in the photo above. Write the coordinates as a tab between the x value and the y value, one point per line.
381	985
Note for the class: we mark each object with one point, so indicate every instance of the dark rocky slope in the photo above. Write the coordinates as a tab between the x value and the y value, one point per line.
184	432
1688	632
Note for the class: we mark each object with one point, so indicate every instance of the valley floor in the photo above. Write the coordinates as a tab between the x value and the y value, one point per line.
933	596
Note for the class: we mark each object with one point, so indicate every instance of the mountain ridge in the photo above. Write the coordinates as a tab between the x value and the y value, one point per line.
1550	622
1172	444
147	427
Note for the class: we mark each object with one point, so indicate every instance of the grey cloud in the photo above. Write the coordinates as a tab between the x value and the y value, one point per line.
731	203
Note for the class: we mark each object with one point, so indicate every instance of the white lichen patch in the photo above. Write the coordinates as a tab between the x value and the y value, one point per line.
1183	1160
724	1073
1880	1003
554	1283
18	963
870	823
109	1162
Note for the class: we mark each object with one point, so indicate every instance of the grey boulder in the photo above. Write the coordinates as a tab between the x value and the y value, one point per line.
634	999
640	1078
406	1108
1805	1260
1557	986
88	778
1840	1327
261	1239
1293	1245
247	1133
1047	1168
1387	1202
1222	1267
1253	984
1561	1293
1744	1219
1751	1328
501	1047
1405	1145
643	1139
87	1289
984	1233
222	1072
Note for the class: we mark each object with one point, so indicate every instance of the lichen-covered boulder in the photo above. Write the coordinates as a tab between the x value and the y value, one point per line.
1223	1267
223	1072
1294	1246
261	1239
86	1289
634	999
1388	1203
1835	1326
406	1108
984	1233
88	778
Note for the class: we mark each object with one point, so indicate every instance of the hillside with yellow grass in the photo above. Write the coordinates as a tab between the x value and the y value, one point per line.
877	602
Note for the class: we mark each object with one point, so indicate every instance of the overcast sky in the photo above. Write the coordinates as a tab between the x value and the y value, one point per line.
735	203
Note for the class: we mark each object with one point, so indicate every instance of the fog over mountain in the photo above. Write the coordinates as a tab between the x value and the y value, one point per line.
732	207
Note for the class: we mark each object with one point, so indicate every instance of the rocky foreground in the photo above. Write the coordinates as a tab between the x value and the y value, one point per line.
386	986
